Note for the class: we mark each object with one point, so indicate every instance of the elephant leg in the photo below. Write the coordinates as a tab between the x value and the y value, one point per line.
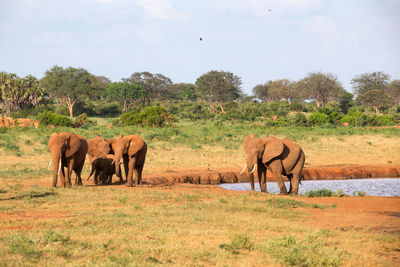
297	174
129	179
276	168
290	178
62	176
78	179
294	184
96	175
126	168
262	178
69	172
140	170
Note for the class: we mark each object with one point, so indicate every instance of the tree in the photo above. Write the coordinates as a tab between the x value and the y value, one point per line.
16	93
183	91
157	85
126	93
281	89
346	101
219	86
263	92
69	85
370	81
322	87
374	98
393	90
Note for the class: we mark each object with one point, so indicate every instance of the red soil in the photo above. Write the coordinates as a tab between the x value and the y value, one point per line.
232	175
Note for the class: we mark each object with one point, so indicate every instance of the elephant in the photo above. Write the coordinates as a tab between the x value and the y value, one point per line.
132	149
280	156
67	150
104	168
98	147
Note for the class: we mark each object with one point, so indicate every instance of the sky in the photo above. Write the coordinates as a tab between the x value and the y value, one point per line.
258	40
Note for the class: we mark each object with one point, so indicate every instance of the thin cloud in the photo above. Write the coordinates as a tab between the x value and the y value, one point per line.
161	9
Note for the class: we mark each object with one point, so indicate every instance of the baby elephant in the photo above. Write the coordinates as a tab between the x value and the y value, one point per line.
103	167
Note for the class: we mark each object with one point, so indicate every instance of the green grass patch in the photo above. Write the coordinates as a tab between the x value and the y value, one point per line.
313	250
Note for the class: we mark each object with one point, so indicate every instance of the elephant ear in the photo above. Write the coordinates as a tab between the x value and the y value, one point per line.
73	145
135	144
273	148
248	144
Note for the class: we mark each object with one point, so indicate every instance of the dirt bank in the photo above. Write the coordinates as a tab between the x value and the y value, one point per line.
232	175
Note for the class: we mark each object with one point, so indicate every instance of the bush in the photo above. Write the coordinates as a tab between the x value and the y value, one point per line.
154	116
299	119
83	121
50	118
194	111
312	251
354	118
278	108
318	119
320	193
238	242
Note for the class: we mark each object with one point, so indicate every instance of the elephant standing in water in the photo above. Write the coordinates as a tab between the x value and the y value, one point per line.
132	149
67	150
280	156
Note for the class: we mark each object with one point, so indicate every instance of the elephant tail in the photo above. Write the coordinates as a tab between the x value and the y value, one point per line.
301	177
91	173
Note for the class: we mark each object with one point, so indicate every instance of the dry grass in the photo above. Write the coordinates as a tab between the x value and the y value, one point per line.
148	226
182	225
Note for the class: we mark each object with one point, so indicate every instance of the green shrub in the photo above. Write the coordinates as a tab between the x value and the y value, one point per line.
238	242
320	193
299	119
278	108
354	118
318	119
385	120
154	116
50	118
193	111
83	121
312	251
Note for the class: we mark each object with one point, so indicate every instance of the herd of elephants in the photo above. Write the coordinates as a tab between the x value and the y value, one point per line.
283	157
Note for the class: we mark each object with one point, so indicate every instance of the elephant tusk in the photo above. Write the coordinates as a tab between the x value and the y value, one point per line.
49	165
253	169
59	168
112	162
243	169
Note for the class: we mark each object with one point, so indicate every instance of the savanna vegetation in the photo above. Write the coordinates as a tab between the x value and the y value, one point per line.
189	127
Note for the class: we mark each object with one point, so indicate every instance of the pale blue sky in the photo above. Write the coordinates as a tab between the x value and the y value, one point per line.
115	38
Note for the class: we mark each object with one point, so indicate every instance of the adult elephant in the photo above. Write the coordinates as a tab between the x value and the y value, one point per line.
132	149
280	156
98	148
67	150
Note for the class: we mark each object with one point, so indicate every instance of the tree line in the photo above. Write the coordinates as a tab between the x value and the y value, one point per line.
71	86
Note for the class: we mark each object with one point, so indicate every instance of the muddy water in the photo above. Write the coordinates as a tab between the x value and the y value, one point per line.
372	187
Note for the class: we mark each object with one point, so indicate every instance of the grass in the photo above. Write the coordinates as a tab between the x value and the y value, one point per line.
187	145
155	225
161	225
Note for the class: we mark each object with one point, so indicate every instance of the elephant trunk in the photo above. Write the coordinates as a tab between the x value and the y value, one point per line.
56	160
117	160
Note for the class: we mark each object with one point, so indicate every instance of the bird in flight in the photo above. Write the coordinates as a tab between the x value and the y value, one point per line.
201	38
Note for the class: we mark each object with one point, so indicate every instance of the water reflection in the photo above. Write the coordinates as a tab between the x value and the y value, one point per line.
372	187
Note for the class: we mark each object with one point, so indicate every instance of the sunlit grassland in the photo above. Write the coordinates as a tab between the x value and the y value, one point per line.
157	225
200	145
152	225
